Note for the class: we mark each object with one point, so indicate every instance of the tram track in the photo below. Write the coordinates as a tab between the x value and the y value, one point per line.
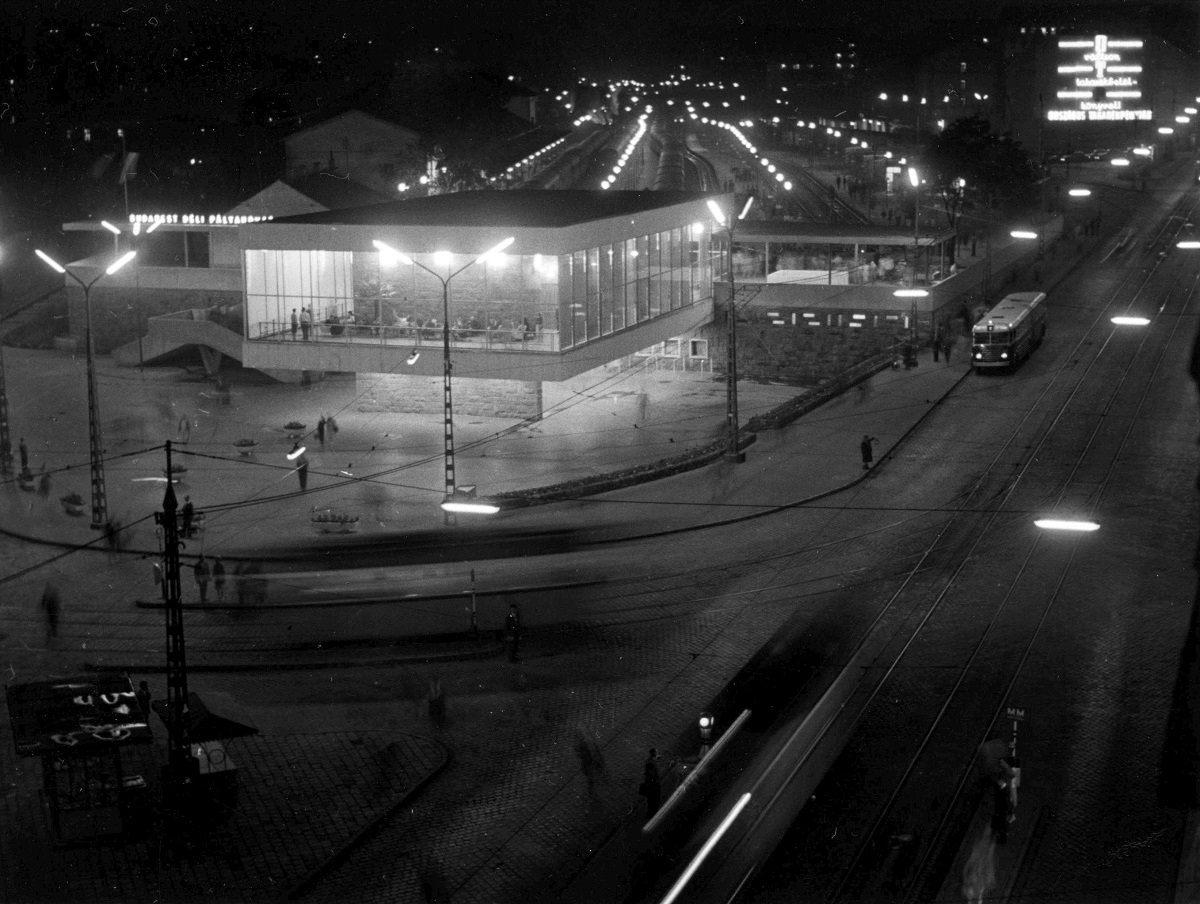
906	801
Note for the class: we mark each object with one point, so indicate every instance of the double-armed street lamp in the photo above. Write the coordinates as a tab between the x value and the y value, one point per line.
95	443
734	454
450	504
915	178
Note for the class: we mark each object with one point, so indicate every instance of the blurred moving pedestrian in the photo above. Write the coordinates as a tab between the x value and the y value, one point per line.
591	758
868	454
321	430
202	573
295	324
305	323
651	787
437	703
218	574
51	602
979	872
143	698
512	631
44	484
302	472
24	450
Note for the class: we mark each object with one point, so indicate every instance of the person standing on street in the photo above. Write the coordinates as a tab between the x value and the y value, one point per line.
218	574
50	605
305	323
143	698
202	574
868	454
512	631
321	430
295	324
302	471
24	450
651	788
189	514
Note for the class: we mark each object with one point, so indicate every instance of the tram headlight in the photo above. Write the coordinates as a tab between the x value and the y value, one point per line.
1004	356
979	356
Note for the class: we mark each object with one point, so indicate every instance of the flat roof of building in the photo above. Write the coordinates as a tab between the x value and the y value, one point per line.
519	208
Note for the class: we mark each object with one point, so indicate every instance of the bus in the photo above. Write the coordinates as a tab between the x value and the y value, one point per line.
1008	333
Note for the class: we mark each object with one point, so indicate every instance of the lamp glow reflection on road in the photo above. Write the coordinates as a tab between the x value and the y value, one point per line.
1060	524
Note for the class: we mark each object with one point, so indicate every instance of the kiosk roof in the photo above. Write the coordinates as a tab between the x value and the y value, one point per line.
76	716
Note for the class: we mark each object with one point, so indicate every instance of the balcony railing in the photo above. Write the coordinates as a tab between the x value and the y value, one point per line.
494	339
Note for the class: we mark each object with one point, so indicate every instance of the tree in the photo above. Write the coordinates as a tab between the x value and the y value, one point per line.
969	160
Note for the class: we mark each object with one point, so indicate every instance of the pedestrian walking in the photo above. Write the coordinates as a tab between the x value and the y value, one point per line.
868	454
295	324
44	484
202	574
1001	802
979	872
512	631
302	471
537	325
143	698
24	450
947	347
189	515
321	430
437	703
591	759
218	575
651	787
51	603
305	323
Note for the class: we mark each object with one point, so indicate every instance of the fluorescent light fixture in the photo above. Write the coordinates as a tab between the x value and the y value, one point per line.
412	359
715	209
1142	152
1120	161
495	249
910	293
462	507
711	843
1189	244
58	268
296	453
1079	192
110	227
1023	234
392	253
1063	524
1130	321
120	262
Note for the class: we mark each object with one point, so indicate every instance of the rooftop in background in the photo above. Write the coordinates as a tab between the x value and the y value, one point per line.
520	208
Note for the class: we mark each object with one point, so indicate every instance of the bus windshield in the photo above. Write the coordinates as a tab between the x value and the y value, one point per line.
995	337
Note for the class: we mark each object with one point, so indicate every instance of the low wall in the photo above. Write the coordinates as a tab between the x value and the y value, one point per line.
402	393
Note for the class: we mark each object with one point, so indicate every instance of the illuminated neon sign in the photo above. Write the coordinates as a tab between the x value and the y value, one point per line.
1100	80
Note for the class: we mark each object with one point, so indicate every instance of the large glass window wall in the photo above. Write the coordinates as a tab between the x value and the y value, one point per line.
279	282
552	301
617	286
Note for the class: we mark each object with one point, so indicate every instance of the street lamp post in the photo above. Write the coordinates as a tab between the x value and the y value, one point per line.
915	178
733	454
95	442
449	505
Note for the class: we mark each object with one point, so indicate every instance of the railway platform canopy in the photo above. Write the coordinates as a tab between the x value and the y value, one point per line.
835	254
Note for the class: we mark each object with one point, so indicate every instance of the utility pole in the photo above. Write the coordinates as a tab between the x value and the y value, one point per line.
179	772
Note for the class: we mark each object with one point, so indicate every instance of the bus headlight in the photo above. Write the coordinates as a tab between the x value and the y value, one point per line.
1004	356
979	356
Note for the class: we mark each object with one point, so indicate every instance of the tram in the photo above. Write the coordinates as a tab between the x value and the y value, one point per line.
1008	333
